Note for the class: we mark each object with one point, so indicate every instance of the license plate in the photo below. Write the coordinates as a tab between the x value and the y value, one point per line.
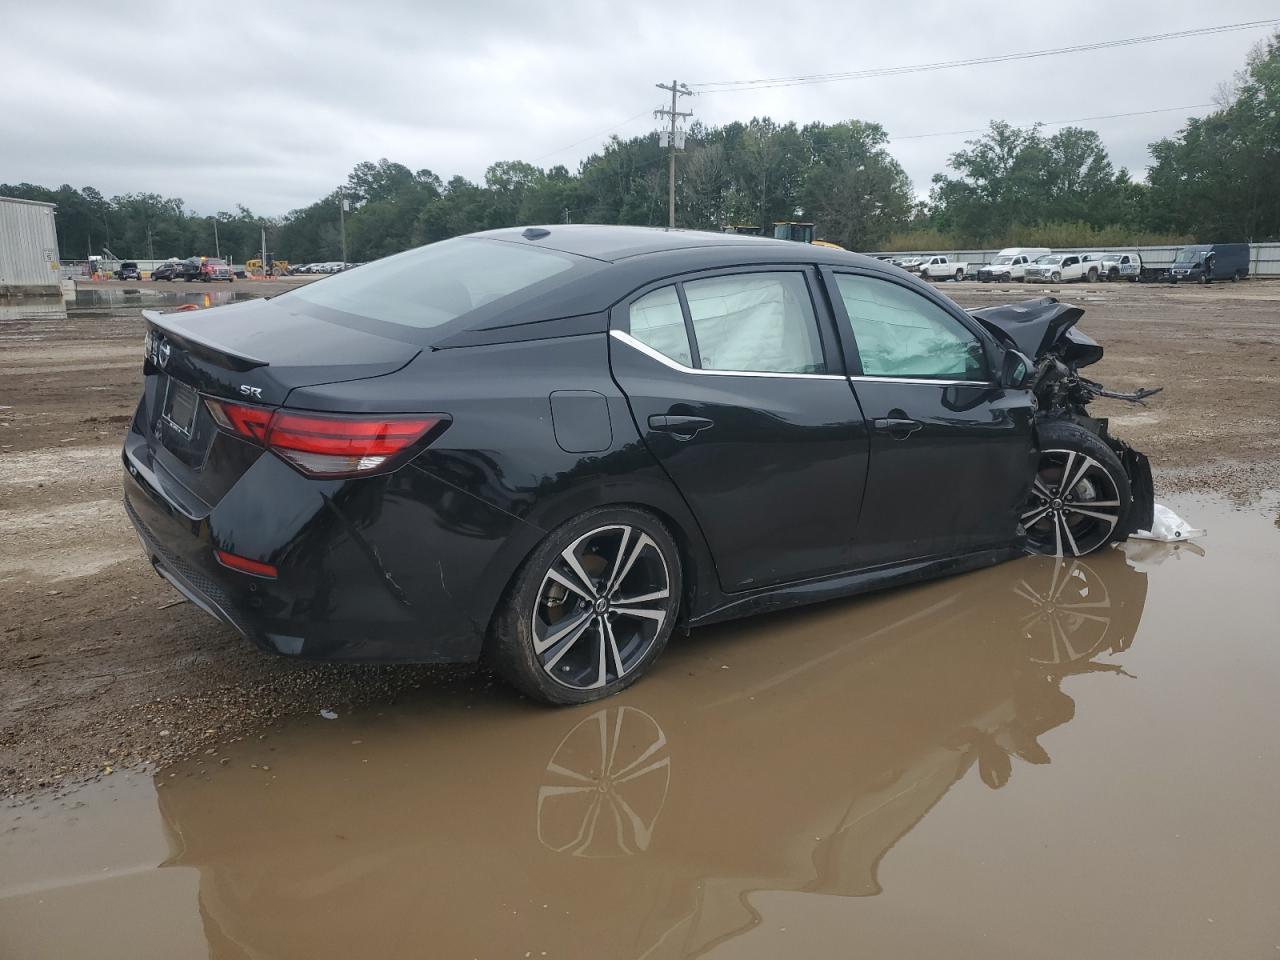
180	403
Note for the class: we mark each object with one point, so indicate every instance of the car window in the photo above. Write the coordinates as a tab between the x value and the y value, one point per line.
757	322
431	285
901	334
657	321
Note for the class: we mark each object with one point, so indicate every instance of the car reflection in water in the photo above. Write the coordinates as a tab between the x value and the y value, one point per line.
644	826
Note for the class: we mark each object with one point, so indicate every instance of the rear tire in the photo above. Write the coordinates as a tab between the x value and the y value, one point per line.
1093	276
959	275
1080	497
591	609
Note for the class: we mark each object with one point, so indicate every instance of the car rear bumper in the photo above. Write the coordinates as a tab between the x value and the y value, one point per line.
363	575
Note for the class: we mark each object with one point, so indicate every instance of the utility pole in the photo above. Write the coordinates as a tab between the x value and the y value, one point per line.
669	138
217	247
151	247
342	225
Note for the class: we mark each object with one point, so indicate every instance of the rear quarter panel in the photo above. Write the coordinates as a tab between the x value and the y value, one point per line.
502	448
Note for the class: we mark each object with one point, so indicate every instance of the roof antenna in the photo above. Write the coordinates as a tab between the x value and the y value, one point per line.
535	233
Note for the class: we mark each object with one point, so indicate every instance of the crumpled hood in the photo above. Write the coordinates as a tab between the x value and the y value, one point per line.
1035	326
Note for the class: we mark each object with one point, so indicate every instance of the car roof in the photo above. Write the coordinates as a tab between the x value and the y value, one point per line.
616	243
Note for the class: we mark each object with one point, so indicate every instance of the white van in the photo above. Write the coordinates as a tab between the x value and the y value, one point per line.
1010	264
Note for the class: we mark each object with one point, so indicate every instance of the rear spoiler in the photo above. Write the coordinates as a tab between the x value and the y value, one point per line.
177	327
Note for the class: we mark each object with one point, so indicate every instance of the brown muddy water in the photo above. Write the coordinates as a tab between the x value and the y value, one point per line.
1045	759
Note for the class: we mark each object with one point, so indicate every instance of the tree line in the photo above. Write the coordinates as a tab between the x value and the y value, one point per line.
1216	179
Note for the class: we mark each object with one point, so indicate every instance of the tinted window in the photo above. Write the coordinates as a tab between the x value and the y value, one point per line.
755	322
436	283
657	320
901	334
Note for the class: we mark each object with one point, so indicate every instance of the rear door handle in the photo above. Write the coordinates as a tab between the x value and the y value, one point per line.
684	428
897	427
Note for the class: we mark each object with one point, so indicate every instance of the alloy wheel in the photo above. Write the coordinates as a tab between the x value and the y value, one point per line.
1074	505
600	607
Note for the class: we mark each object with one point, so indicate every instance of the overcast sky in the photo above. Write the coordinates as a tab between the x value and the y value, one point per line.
218	105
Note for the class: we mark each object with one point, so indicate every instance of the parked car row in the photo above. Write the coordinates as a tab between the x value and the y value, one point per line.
204	269
330	266
1199	263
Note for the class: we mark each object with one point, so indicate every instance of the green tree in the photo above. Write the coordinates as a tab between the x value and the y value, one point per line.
1219	178
854	191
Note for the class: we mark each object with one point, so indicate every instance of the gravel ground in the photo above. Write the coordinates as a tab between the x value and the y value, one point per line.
102	667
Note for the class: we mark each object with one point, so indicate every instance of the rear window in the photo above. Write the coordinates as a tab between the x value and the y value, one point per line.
432	285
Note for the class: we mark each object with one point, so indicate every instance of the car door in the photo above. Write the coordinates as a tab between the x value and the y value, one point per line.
739	392
951	451
1072	269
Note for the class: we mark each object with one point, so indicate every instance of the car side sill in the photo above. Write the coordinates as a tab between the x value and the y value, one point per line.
850	584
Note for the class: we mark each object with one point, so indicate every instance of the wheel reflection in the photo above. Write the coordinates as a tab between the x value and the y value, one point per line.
605	785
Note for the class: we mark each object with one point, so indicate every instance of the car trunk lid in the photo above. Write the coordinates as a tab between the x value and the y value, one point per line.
256	353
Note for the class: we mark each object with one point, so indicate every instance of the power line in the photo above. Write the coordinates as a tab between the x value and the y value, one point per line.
766	83
1055	123
617	126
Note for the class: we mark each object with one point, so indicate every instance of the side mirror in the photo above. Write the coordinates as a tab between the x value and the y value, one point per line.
1016	370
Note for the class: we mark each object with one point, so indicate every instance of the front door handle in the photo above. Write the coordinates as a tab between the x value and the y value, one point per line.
684	428
897	427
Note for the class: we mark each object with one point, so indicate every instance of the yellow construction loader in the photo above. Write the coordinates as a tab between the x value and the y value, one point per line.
254	268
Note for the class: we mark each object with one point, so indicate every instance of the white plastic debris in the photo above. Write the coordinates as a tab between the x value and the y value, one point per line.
1145	555
1167	527
328	714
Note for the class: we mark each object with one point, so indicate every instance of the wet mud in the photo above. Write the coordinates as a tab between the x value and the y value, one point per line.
1049	758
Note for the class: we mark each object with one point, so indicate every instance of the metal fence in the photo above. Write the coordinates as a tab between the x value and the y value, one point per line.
1264	258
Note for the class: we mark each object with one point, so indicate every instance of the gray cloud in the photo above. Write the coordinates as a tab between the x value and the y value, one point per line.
221	105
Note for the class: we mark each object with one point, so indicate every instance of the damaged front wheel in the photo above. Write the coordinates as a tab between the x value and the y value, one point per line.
1080	498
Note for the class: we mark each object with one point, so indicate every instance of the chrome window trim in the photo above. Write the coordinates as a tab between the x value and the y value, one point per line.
666	361
653	354
865	378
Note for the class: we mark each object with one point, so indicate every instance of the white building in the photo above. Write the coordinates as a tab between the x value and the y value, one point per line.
28	249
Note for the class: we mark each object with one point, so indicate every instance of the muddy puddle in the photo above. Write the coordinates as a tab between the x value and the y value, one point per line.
1045	759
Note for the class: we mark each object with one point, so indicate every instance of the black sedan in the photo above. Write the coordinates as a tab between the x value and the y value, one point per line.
550	447
166	271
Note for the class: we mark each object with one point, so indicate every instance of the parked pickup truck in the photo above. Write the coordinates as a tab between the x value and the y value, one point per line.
940	268
1122	266
1093	266
1011	264
1056	268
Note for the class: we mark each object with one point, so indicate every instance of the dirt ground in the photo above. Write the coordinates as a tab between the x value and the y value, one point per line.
102	667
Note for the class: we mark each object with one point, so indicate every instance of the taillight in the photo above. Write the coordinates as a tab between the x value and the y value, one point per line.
249	422
326	445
